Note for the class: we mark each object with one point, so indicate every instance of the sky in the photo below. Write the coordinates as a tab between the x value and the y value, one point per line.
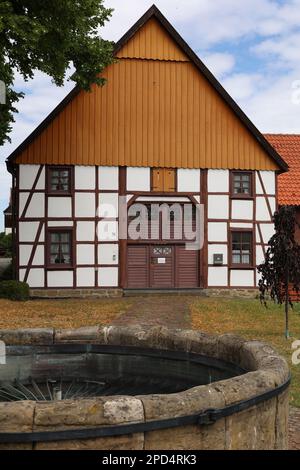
251	46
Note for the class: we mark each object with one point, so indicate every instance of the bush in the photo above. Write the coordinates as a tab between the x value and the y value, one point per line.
7	273
14	290
6	245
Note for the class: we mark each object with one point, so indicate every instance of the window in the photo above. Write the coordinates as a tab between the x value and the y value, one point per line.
163	180
59	180
241	184
60	248
241	248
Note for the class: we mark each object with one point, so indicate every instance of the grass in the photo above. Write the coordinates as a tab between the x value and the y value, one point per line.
59	313
250	319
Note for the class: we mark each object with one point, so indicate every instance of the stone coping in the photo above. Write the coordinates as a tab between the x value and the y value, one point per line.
267	370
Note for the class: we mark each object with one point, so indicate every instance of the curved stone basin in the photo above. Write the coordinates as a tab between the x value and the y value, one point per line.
202	372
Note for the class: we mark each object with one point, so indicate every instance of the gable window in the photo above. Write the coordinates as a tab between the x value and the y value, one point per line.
163	180
241	184
60	248
241	248
59	180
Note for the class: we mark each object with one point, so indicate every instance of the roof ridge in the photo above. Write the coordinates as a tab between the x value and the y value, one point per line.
153	11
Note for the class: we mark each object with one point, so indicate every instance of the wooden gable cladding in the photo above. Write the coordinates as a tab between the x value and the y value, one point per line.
151	113
154	43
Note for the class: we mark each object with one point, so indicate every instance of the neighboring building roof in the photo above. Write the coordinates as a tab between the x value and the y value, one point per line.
8	211
288	146
73	125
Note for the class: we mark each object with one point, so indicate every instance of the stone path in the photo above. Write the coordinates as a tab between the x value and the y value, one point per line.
148	311
173	311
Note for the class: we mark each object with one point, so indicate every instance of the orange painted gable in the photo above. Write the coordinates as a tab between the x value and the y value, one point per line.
157	109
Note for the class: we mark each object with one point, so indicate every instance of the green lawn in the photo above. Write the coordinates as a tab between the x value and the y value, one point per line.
251	320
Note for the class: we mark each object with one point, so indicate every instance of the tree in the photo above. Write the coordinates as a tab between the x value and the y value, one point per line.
280	273
6	245
50	35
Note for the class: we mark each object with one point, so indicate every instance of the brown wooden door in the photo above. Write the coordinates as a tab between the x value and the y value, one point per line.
187	268
137	267
161	267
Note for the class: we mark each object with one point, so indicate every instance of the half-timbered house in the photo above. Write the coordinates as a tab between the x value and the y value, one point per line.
161	130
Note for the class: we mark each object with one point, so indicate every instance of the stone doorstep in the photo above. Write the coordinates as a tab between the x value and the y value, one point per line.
118	293
75	293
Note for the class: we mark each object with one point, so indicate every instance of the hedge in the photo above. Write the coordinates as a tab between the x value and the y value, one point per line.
14	290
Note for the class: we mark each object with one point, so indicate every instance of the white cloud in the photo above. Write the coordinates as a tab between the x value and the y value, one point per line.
285	48
272	108
210	21
220	64
241	86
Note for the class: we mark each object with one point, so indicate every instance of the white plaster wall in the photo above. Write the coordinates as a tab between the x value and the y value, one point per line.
108	254
217	277
85	277
86	231
108	277
59	207
60	223
269	181
217	232
85	254
36	277
242	278
217	249
260	257
85	177
25	253
28	174
60	279
258	240
262	212
39	257
108	231
36	208
242	210
22	201
218	207
188	181
259	189
109	178
138	179
272	201
85	205
218	181
108	205
267	231
28	232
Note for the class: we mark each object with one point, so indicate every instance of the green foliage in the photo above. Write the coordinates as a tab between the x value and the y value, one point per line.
50	35
14	290
7	273
6	245
280	273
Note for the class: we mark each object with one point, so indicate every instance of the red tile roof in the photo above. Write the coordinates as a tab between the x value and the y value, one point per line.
288	147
